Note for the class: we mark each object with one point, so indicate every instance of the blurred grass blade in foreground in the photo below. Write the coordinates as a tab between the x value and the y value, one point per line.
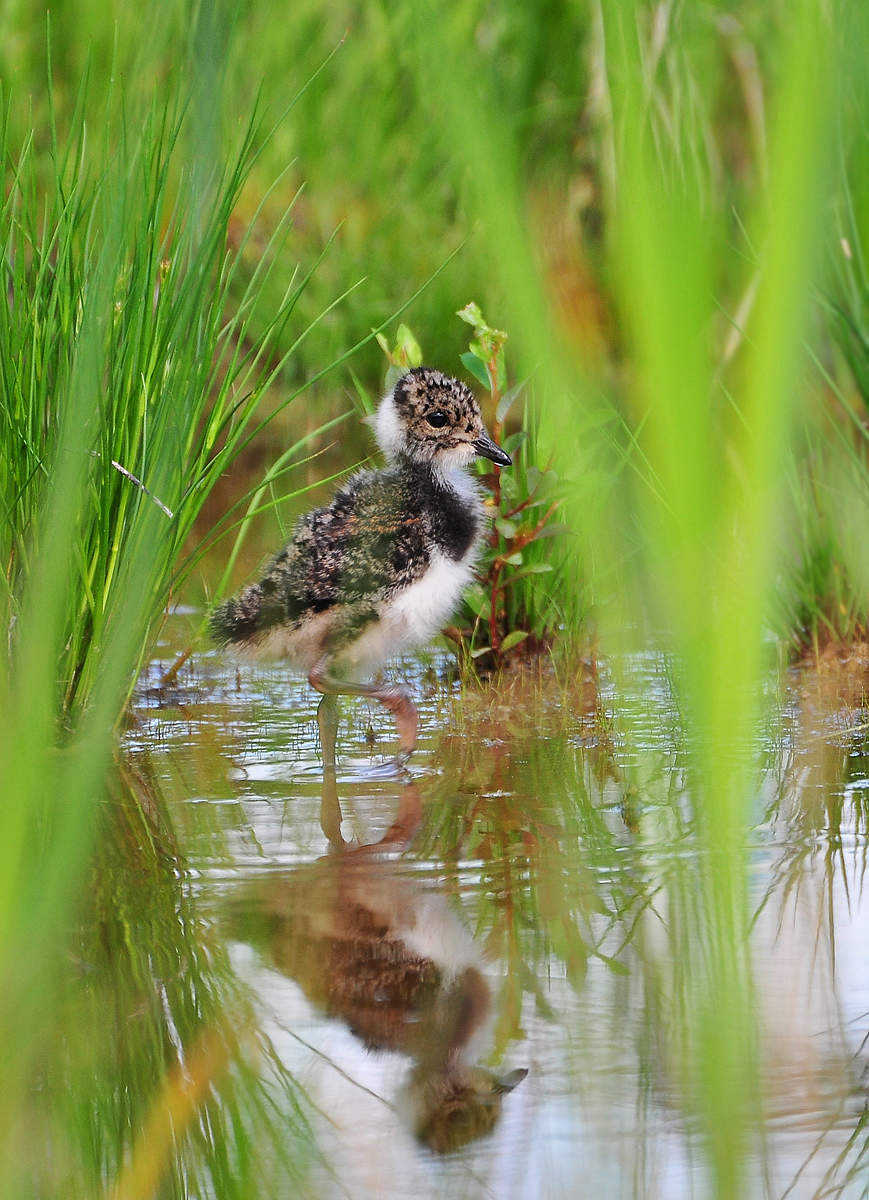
131	378
711	546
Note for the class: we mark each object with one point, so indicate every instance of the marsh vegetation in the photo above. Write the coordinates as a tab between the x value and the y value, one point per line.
636	827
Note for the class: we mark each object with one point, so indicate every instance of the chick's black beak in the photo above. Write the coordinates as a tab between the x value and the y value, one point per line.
485	446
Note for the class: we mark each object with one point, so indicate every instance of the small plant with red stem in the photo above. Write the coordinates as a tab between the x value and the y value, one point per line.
510	606
511	611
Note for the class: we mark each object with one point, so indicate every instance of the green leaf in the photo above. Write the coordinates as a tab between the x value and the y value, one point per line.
407	347
548	481
505	527
363	400
617	968
476	367
531	569
500	360
477	599
513	639
515	560
553	530
507	400
515	440
532	480
488	340
481	650
471	314
509	485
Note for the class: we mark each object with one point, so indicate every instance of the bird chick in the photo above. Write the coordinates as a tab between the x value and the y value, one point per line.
382	566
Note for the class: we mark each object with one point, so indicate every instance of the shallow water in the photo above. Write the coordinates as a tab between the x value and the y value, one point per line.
539	918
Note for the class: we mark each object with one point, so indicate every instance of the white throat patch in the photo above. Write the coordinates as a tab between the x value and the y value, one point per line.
387	428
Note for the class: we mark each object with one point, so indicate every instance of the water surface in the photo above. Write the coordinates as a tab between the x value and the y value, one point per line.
539	918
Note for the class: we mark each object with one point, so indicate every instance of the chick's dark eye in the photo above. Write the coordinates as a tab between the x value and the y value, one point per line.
438	419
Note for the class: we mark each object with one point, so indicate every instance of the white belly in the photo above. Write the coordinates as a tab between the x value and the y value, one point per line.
414	615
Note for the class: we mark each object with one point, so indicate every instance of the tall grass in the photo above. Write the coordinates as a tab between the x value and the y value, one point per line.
703	422
371	161
719	452
117	297
826	580
129	384
142	328
404	179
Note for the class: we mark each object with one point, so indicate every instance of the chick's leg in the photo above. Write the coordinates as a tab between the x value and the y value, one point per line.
396	699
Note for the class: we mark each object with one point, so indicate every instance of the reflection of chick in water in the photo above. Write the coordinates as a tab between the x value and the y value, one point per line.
372	946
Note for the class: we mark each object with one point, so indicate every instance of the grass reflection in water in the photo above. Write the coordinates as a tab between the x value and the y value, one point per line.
560	846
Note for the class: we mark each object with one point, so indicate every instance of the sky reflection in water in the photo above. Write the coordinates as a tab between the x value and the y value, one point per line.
548	888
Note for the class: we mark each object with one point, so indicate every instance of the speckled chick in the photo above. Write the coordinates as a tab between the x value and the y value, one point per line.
381	567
